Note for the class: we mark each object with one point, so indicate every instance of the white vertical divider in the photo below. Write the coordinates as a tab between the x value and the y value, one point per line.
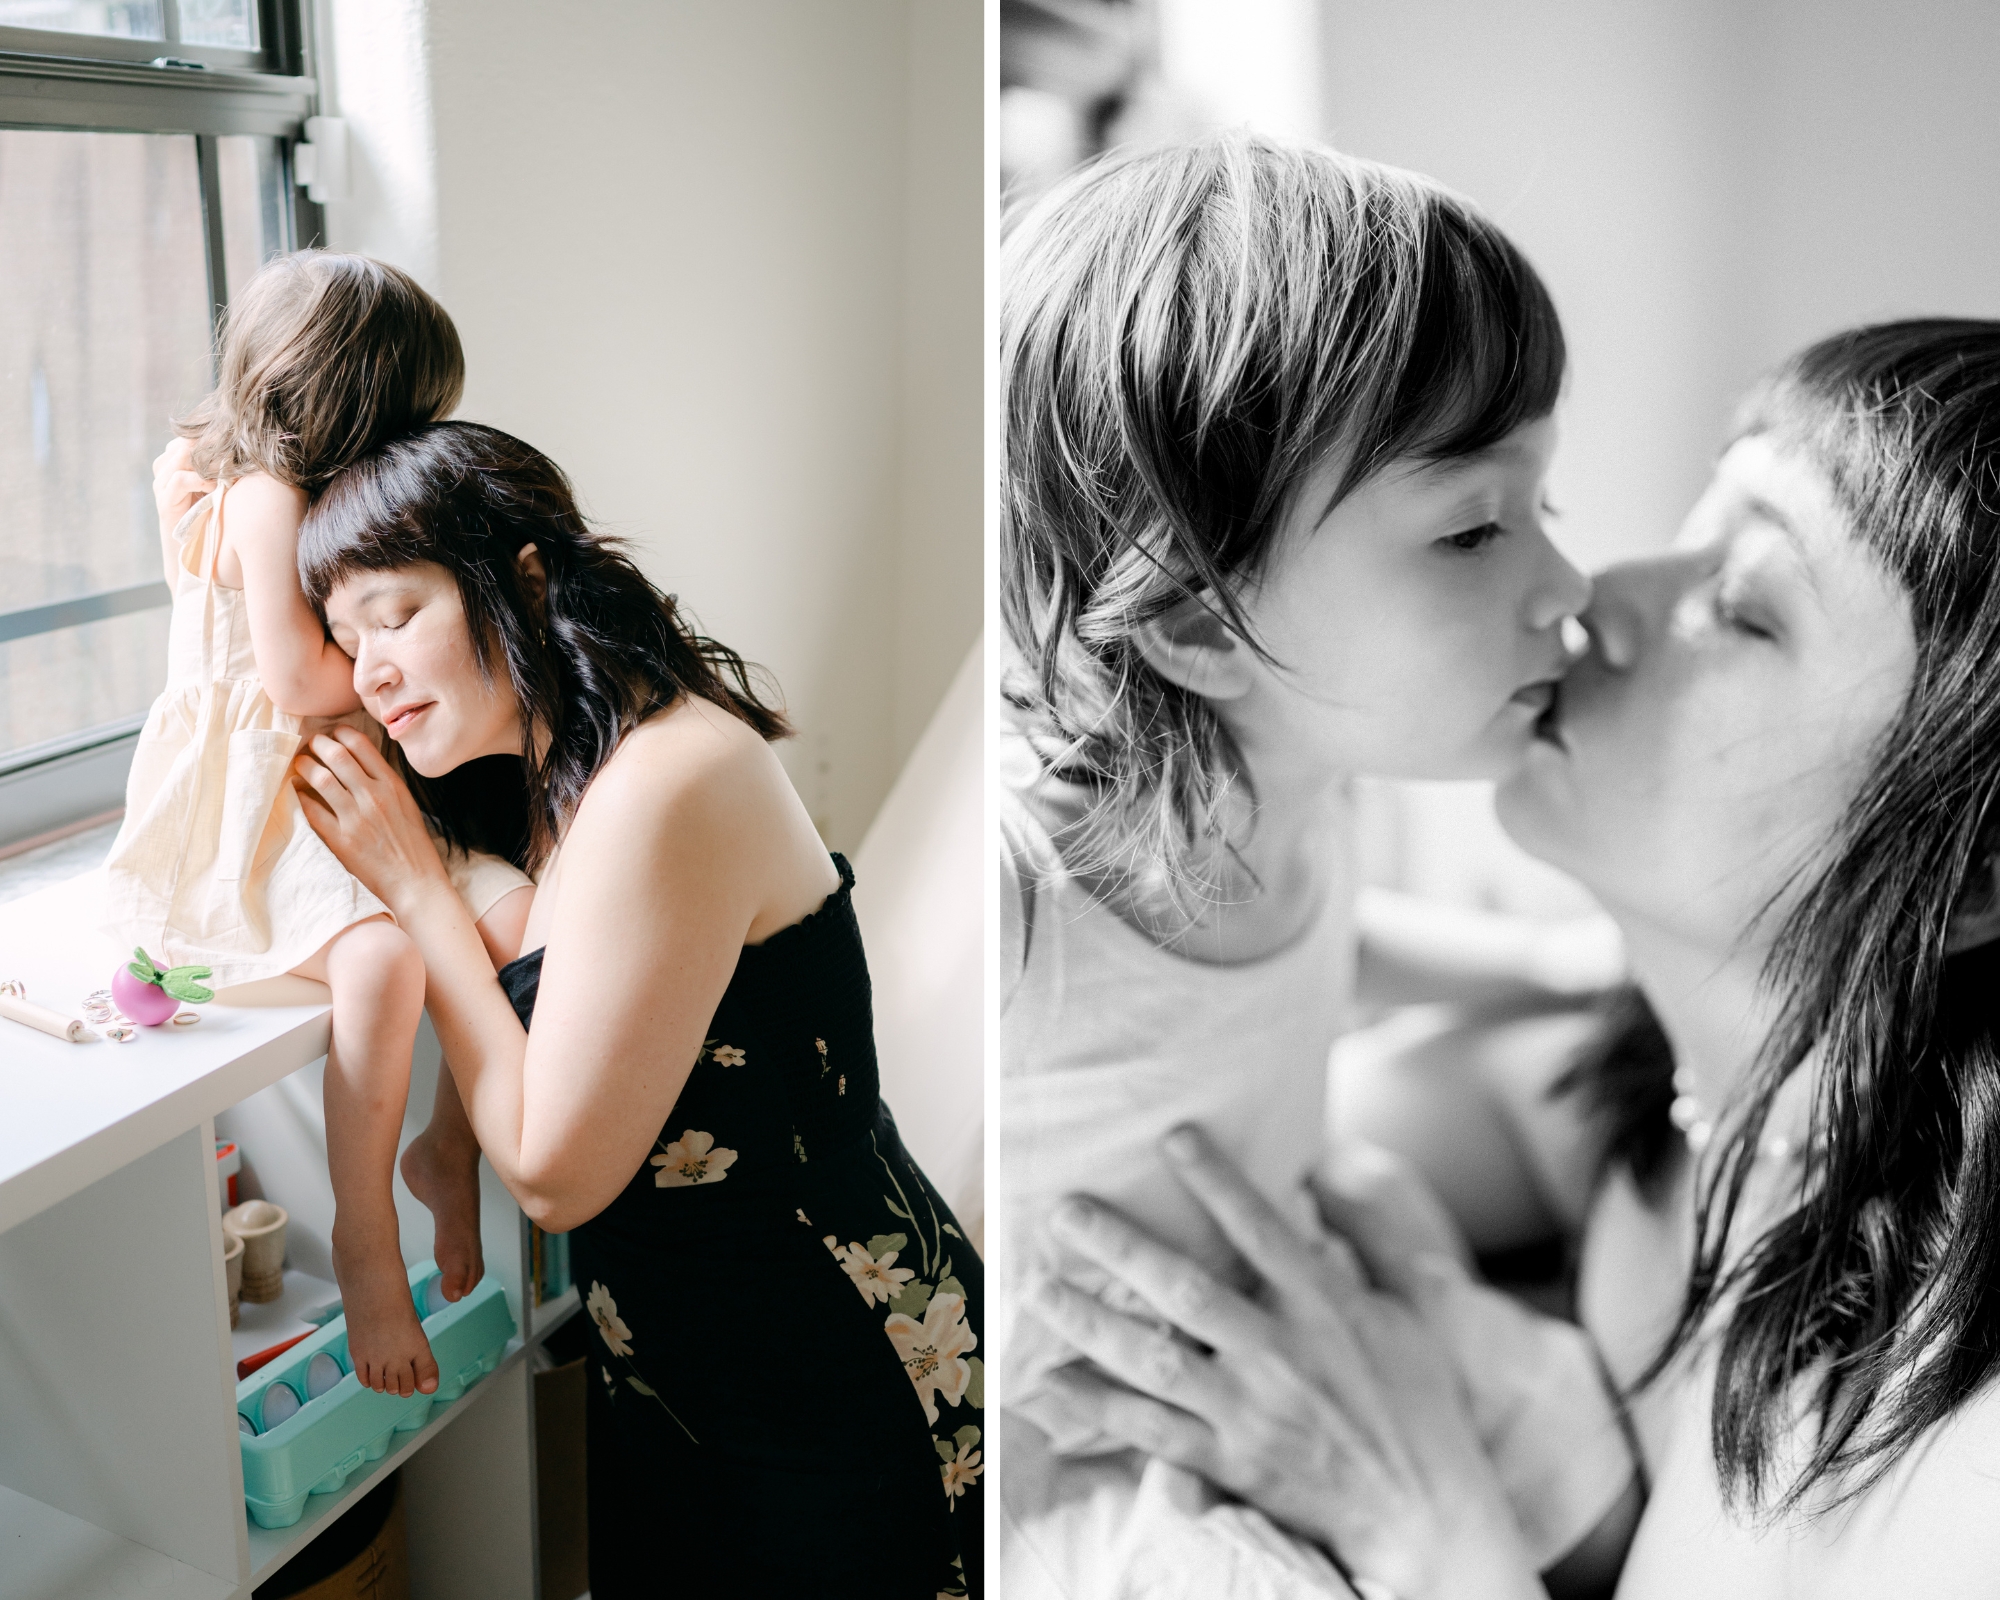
113	1348
470	1494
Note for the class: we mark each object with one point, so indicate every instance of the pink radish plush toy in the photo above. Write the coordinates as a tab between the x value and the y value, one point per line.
146	994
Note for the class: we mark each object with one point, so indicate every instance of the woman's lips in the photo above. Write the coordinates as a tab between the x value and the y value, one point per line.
398	722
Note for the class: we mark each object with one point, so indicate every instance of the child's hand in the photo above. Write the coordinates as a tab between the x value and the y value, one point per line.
175	486
362	808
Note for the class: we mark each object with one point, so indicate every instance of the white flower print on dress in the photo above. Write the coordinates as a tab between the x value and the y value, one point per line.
878	1279
727	1055
933	1351
604	1312
692	1158
961	1471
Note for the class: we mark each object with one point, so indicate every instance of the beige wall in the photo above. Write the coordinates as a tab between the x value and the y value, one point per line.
720	258
1705	186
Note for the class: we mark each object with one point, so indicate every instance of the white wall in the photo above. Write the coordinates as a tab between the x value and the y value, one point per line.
918	881
1598	136
719	258
1705	186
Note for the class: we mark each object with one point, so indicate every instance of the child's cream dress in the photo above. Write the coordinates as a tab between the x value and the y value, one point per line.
215	864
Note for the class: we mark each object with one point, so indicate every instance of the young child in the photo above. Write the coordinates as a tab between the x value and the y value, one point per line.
1277	424
325	357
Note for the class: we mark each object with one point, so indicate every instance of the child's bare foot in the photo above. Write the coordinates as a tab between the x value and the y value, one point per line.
385	1343
446	1179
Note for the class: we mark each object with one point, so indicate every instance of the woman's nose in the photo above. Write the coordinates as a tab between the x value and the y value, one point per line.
1629	602
372	673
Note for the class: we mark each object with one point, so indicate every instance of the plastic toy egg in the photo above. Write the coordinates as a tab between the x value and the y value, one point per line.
281	1401
322	1373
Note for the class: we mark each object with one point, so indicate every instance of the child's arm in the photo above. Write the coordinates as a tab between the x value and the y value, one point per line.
1415	951
175	490
501	928
304	672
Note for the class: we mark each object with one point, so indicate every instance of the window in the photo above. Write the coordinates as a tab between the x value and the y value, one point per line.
145	169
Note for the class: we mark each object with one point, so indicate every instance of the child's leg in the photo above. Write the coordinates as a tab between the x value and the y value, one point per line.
377	978
441	1165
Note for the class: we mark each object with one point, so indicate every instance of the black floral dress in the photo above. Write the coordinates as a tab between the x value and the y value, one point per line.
788	1389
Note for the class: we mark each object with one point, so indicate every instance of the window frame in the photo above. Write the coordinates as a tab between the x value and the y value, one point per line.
91	83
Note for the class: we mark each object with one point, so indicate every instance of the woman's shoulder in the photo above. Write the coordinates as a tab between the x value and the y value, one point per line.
694	806
1936	1507
690	760
692	737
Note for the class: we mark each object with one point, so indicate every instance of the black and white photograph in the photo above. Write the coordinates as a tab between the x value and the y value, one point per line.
1499	860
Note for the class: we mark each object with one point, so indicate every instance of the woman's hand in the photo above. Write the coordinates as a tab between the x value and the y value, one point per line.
361	807
1533	1384
176	486
1332	1407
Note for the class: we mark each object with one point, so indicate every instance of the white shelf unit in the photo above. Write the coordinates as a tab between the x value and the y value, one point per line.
120	1473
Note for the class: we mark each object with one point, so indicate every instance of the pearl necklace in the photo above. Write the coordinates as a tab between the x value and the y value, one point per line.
1688	1114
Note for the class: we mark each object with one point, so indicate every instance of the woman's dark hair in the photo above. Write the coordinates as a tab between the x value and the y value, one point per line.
1185	332
1881	1291
599	653
324	355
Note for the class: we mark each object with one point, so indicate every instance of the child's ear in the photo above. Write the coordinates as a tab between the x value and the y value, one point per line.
1193	647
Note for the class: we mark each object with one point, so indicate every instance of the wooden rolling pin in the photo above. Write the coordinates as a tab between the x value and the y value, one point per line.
19	1009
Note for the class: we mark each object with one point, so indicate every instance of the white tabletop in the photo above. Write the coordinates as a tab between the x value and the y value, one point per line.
71	1113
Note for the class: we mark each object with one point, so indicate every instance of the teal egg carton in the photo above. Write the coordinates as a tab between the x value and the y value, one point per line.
323	1426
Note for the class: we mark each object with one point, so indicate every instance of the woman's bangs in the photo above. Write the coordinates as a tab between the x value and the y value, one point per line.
360	524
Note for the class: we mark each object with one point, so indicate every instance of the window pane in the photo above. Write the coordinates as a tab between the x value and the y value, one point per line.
103	340
127	19
61	683
226	22
254	215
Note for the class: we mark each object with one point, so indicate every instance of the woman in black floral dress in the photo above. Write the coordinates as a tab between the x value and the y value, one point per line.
789	1386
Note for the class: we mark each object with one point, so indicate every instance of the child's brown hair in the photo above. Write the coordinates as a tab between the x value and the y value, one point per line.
1184	332
325	356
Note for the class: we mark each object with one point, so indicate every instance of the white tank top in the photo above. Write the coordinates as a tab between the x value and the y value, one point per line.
1107	1042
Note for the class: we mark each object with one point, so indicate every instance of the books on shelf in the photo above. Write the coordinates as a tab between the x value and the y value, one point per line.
548	1263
